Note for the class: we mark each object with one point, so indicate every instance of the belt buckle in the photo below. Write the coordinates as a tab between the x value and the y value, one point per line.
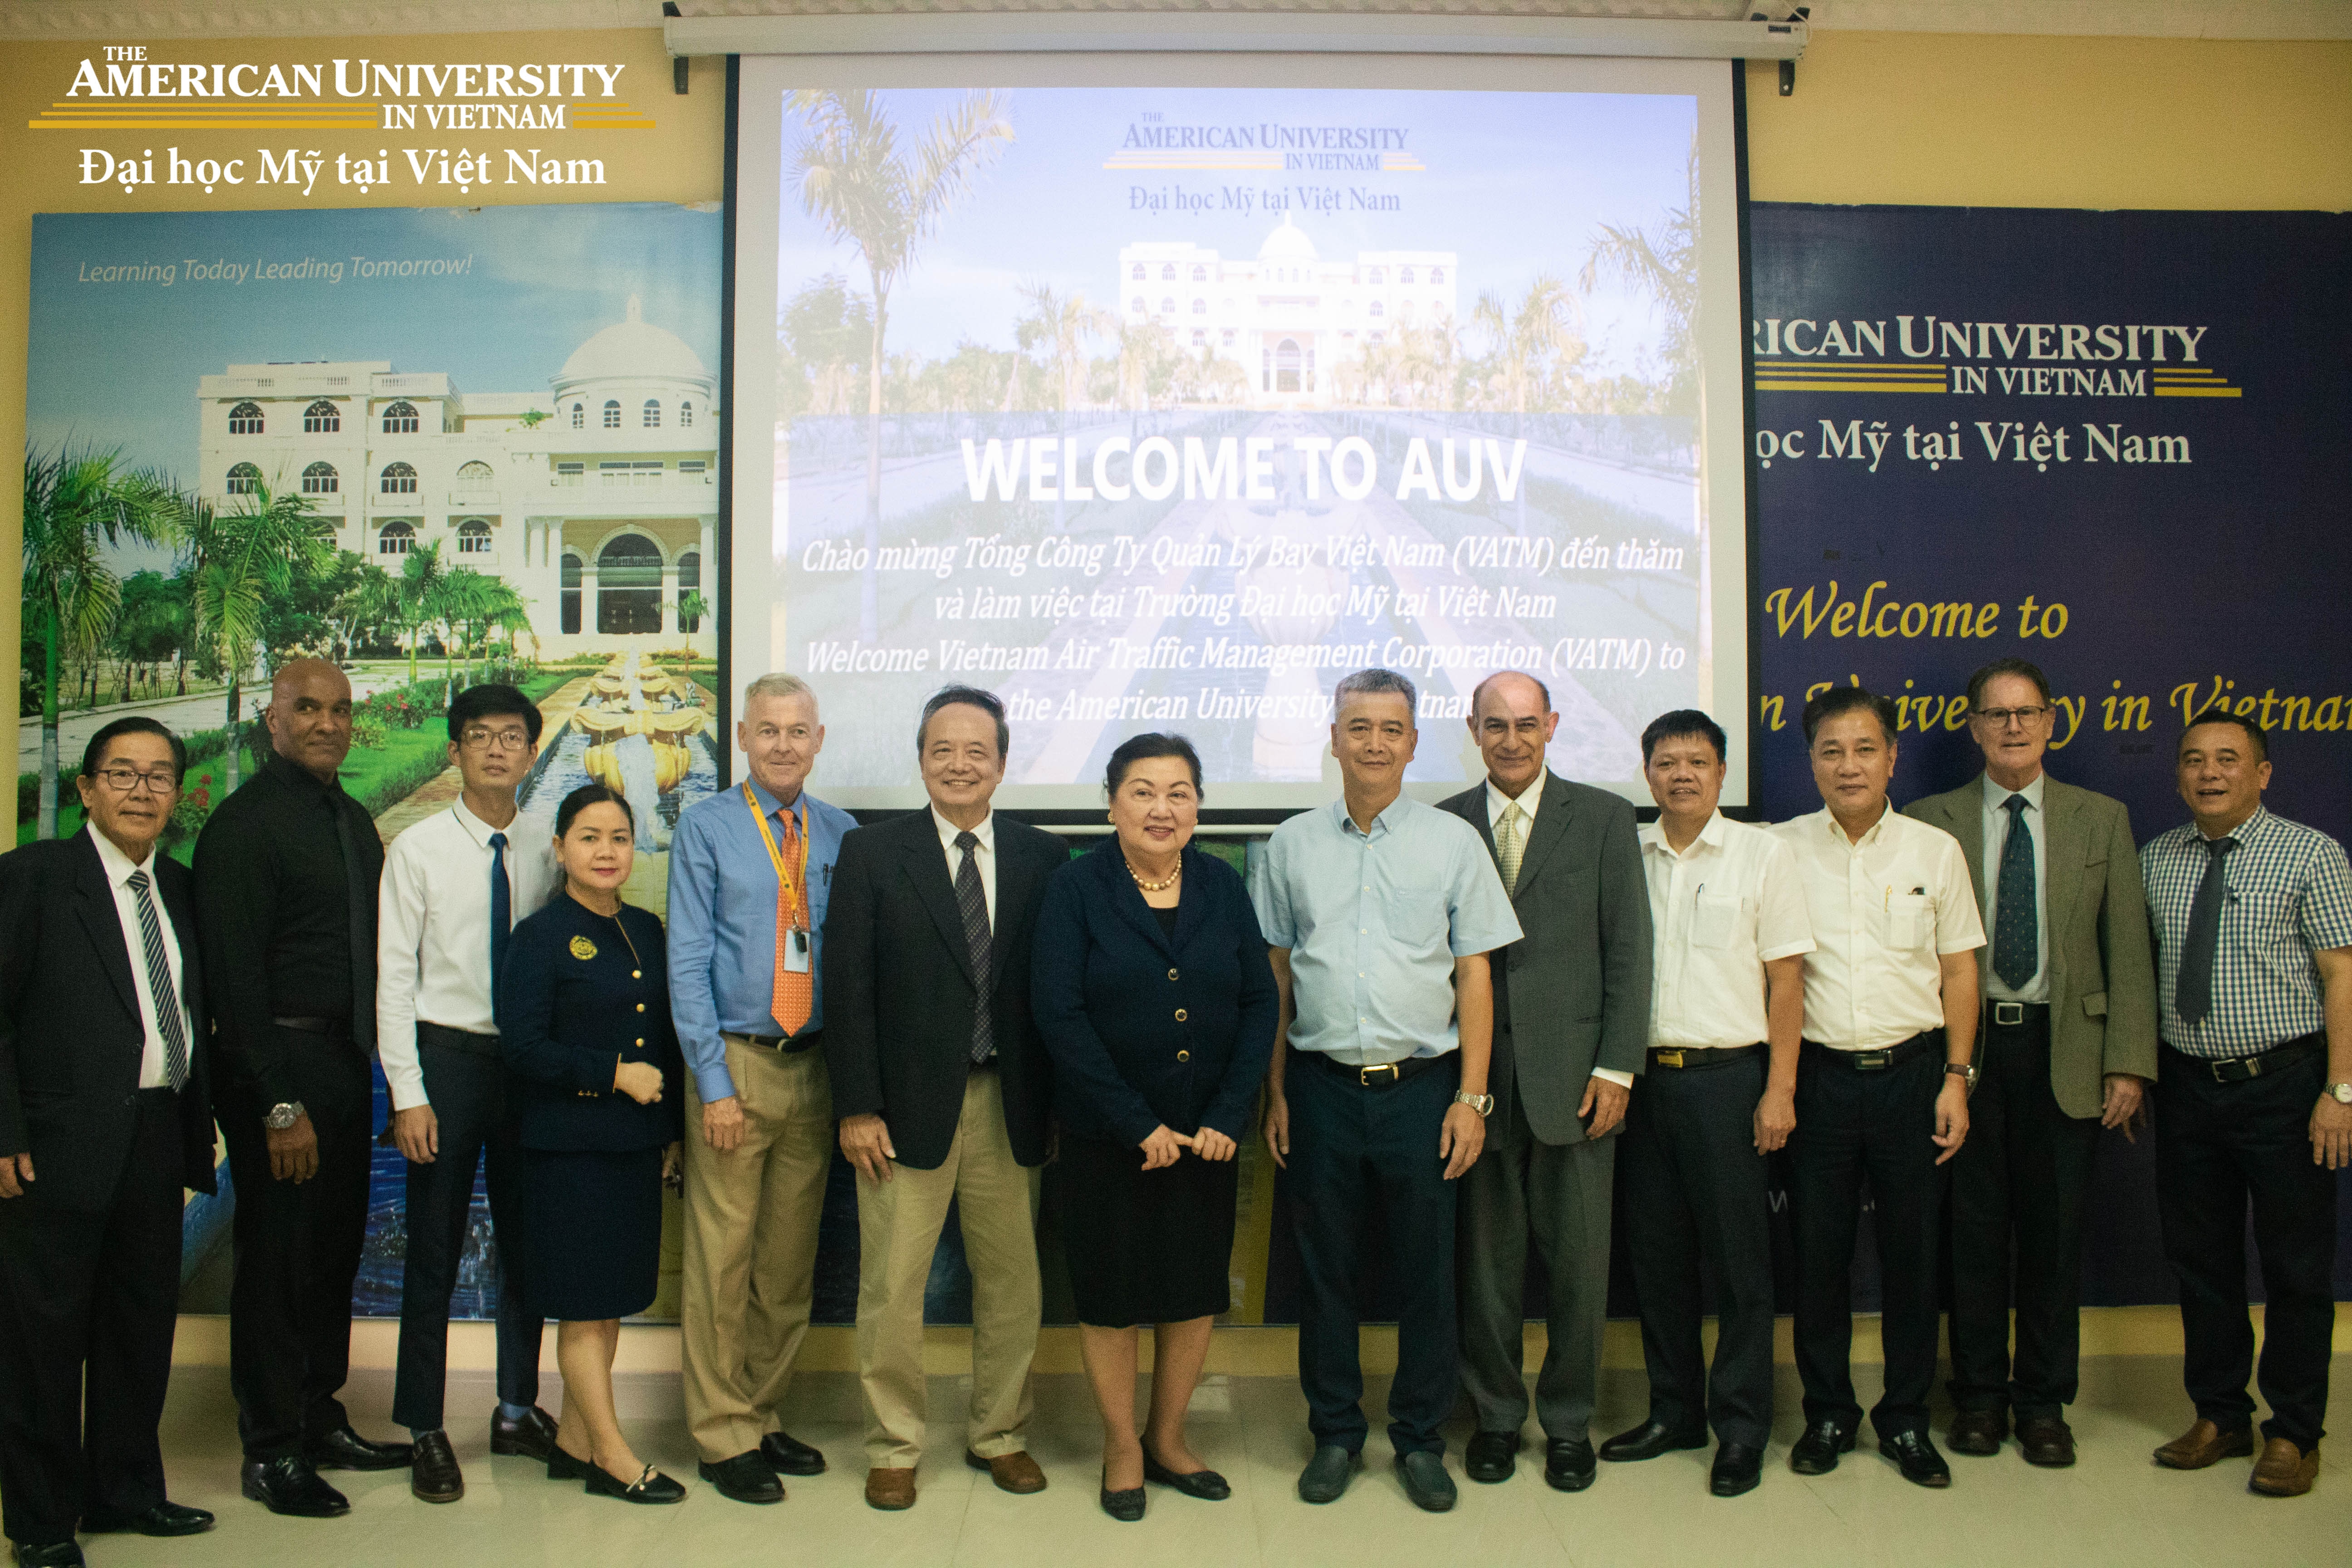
2008	1013
1668	1058
1364	1075
1873	1061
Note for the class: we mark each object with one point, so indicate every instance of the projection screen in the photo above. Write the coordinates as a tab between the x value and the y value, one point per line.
1158	391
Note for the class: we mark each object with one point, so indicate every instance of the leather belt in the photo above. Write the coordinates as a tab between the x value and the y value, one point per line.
783	1044
2018	1014
338	1028
1693	1059
441	1036
1893	1056
1386	1075
2255	1064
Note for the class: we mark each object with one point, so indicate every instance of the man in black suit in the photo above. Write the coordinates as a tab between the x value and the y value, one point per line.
286	888
103	1121
943	1089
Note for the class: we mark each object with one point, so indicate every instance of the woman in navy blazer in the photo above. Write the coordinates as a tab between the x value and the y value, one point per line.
595	1081
1152	990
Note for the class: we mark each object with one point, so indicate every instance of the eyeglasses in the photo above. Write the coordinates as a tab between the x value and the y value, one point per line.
497	740
124	781
2002	718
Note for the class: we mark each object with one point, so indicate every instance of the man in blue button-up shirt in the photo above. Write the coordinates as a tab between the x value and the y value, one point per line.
747	867
1380	912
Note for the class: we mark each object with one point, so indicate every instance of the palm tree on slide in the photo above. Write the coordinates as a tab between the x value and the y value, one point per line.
239	561
1062	322
1533	342
78	504
863	187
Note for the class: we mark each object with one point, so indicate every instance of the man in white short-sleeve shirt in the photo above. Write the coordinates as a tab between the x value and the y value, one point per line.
1881	1078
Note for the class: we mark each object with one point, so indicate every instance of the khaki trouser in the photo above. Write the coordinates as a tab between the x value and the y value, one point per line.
750	1245
898	1224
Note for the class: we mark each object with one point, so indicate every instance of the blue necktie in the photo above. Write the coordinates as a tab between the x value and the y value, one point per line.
2016	921
501	906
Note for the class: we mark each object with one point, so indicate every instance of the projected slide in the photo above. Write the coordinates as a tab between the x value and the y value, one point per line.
1164	408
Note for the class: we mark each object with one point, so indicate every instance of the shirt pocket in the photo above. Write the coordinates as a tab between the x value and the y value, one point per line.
1910	922
1415	917
1714	922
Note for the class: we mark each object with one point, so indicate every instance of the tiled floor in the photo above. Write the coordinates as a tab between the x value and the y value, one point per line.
2114	1506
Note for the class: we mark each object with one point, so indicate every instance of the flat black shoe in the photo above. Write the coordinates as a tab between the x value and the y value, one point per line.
1568	1464
1126	1507
57	1554
1425	1480
290	1487
165	1518
1978	1432
345	1449
433	1474
746	1478
1918	1459
650	1487
1327	1474
531	1438
1206	1485
1816	1453
564	1466
788	1456
1649	1439
1490	1457
1737	1469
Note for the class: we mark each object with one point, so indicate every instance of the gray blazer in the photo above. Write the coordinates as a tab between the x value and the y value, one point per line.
2102	977
1574	993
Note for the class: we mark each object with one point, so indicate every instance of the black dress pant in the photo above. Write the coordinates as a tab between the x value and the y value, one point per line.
298	1251
466	1087
87	1303
2220	1146
1851	1125
1696	1193
2021	1180
1353	1149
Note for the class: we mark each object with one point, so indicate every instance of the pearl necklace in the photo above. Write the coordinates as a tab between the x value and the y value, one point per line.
1160	887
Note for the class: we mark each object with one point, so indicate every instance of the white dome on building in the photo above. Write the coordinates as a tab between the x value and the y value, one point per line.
632	350
1288	243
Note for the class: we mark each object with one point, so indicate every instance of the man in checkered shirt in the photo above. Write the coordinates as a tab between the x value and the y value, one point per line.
2253	920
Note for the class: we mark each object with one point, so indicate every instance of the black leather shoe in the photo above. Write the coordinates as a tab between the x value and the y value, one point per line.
1489	1458
1816	1453
1978	1432
650	1487
562	1466
345	1449
165	1518
1126	1507
788	1456
532	1437
1918	1459
1206	1485
1737	1469
2047	1440
1568	1464
1327	1474
57	1554
433	1474
1425	1480
1649	1439
290	1487
746	1478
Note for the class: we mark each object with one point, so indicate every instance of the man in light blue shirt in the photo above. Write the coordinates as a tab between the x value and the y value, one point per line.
1380	912
750	872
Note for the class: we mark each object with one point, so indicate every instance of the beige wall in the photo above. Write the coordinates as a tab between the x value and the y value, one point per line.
1877	117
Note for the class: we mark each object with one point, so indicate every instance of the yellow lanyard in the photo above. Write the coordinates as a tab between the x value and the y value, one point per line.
795	886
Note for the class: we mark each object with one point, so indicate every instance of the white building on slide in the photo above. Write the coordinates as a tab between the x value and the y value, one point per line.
597	500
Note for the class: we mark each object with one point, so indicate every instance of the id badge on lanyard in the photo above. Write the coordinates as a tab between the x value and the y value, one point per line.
798	948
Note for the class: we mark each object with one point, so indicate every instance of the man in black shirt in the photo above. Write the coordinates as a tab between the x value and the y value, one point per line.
286	894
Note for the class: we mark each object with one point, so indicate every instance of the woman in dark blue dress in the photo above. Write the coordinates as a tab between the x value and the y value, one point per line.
1155	996
595	1081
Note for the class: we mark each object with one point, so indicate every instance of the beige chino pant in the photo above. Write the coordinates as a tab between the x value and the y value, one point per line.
750	1245
899	1224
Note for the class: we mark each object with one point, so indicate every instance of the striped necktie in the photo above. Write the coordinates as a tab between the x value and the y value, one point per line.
159	984
1510	841
971	901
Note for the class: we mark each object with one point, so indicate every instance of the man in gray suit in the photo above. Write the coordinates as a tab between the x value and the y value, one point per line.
2069	1036
1571	1023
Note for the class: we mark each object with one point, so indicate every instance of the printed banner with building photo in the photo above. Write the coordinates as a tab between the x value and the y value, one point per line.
437	447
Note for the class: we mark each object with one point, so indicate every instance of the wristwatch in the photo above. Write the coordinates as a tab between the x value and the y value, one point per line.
2341	1093
1966	1072
282	1115
1484	1104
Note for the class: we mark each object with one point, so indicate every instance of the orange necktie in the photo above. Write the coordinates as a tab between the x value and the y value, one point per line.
795	993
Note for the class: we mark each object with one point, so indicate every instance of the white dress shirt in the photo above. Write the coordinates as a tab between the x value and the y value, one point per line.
1996	838
1727	905
153	1073
1884	911
433	933
1529	800
983	858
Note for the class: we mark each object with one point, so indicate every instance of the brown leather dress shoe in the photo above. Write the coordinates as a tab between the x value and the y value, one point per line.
2284	1469
1014	1472
2205	1444
890	1491
1978	1432
2047	1440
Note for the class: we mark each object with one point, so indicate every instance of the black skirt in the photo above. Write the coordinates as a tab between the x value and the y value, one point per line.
1146	1247
592	1235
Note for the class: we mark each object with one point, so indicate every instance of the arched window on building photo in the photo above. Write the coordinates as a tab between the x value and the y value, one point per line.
476	476
244	479
321	418
400	419
395	538
653	414
397	480
474	537
628	586
321	479
245	419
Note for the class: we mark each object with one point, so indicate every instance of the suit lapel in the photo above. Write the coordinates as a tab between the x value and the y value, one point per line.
2062	870
1119	887
1964	820
1015	871
1552	817
94	897
927	868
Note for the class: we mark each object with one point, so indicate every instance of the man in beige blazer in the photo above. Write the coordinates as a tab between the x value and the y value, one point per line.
2068	1038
